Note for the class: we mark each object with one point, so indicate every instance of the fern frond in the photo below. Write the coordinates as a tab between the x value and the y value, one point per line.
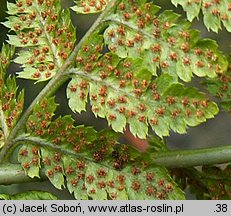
45	33
215	12
161	41
93	163
221	88
89	6
11	102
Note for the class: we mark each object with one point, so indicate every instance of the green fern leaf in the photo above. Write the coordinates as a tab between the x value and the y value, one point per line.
45	32
215	12
89	6
221	88
93	163
11	102
124	92
162	41
29	195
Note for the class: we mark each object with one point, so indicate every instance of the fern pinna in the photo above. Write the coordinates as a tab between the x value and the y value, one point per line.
131	66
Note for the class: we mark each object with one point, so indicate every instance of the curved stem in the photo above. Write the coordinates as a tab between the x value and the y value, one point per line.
53	84
195	157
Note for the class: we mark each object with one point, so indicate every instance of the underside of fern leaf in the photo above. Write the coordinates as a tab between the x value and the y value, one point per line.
93	163
215	12
45	33
124	92
162	41
11	102
130	66
121	79
121	83
117	68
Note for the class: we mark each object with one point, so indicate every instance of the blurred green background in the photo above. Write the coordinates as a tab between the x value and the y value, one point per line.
214	132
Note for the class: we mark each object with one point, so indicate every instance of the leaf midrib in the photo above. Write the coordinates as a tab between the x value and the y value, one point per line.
48	39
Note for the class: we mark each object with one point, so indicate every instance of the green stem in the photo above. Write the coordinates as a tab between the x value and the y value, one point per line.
53	84
195	157
14	174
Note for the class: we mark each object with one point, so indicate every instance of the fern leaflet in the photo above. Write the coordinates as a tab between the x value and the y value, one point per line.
123	91
45	32
163	41
93	163
11	102
221	88
215	12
